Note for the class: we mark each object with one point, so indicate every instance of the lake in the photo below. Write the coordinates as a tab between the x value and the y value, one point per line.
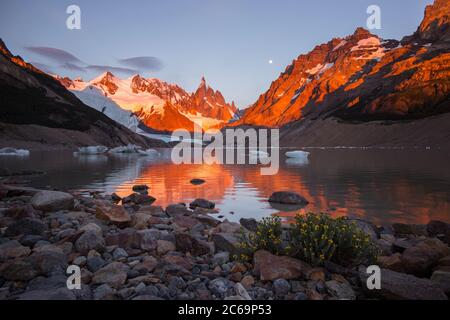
382	186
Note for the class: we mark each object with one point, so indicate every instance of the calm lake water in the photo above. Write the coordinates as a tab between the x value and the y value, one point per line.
383	186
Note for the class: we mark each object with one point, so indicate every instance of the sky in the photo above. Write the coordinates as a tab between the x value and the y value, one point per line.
240	46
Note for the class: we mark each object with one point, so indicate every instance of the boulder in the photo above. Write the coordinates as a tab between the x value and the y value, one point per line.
270	267
286	197
442	279
164	246
392	262
114	275
88	241
26	226
52	201
138	198
439	229
202	203
249	224
227	242
113	213
187	243
13	249
185	222
421	258
49	262
177	209
401	286
340	290
18	270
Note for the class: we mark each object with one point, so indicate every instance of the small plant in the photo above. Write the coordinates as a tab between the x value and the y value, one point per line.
317	238
268	236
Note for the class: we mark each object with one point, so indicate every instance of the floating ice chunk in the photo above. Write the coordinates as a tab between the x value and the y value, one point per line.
92	150
131	148
14	152
149	152
298	154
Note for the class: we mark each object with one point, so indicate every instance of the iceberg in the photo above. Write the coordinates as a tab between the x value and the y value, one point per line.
297	154
131	148
258	153
92	150
14	152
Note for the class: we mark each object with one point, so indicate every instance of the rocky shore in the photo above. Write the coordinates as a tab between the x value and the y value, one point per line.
139	251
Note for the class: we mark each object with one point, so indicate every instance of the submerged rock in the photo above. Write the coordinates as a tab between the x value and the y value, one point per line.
286	197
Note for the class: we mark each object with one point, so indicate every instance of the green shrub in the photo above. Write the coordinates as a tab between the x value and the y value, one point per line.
268	236
317	238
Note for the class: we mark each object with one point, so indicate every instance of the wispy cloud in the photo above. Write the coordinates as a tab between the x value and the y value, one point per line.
143	63
57	55
112	69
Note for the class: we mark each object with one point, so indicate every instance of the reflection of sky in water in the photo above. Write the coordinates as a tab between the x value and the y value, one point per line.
382	186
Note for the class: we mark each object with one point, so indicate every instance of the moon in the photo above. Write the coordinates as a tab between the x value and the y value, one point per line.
270	61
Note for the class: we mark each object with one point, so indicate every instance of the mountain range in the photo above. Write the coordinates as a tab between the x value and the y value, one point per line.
36	111
362	79
157	104
359	90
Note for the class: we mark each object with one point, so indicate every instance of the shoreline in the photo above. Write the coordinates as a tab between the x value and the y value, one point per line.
143	252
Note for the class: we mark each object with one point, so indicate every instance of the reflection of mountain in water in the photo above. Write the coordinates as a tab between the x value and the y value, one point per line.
380	185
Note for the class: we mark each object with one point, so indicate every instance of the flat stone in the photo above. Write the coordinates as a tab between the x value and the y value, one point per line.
88	241
114	275
185	221
177	209
26	226
164	246
52	201
13	249
442	279
401	286
270	267
340	290
421	258
187	243
113	213
138	198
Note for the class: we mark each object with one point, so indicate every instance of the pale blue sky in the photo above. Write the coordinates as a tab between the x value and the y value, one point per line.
228	41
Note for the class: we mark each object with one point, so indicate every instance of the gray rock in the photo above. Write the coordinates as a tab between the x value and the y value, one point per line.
26	226
18	270
49	262
104	292
88	241
281	287
227	242
342	291
188	243
95	263
52	201
13	249
221	258
249	224
401	286
174	210
442	279
147	239
119	253
114	275
219	287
